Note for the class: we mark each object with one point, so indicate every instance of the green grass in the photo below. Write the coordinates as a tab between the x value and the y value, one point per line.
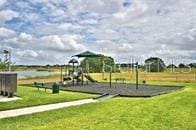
176	110
32	97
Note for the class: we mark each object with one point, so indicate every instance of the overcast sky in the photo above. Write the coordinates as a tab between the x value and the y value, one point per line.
51	31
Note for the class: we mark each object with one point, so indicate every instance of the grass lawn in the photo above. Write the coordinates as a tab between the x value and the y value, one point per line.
176	110
32	97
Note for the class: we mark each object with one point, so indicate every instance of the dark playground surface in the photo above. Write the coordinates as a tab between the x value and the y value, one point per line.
127	90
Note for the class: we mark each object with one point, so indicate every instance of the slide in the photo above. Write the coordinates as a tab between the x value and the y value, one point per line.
75	76
90	78
67	80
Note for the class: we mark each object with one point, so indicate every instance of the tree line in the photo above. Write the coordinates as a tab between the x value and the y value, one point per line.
96	64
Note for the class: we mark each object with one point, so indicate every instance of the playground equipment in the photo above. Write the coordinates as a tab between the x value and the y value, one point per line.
87	54
75	75
90	78
72	76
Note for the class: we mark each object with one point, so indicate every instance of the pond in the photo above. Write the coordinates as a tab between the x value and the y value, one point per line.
26	74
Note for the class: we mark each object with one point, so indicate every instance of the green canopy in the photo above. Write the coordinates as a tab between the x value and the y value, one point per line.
87	54
73	61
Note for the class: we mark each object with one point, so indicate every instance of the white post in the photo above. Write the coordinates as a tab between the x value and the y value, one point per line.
9	60
103	70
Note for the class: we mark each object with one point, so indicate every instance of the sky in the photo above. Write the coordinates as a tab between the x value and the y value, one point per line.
51	31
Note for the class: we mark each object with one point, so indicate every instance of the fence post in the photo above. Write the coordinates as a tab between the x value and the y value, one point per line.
110	79
136	75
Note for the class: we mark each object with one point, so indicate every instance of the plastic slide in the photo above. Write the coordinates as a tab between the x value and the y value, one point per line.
90	78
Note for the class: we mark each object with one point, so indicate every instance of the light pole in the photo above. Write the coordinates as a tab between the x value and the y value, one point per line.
7	54
135	65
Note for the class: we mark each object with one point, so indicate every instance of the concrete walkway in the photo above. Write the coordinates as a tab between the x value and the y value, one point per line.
6	99
36	109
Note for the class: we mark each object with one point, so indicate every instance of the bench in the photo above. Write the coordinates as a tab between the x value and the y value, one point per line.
40	85
120	79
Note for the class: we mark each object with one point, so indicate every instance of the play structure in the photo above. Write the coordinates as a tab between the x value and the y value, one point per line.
75	76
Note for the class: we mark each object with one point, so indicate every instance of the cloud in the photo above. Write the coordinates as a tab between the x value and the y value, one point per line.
6	33
2	2
6	15
23	37
50	31
67	43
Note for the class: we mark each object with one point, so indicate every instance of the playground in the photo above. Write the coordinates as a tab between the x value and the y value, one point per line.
78	79
81	101
120	89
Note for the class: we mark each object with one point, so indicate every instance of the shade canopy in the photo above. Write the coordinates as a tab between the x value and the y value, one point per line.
73	61
87	54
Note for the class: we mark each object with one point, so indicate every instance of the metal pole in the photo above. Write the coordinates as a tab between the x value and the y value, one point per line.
9	60
103	70
65	71
73	74
136	75
61	73
82	78
110	79
73	68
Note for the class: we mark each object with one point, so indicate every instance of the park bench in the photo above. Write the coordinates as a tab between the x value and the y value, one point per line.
40	85
120	79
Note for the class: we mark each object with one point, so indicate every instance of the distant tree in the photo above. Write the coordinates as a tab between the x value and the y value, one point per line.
181	65
171	66
192	65
96	64
155	64
48	66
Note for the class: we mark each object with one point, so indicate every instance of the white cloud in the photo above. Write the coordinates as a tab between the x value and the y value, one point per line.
23	37
27	53
6	33
164	28
2	2
137	9
102	6
62	43
6	15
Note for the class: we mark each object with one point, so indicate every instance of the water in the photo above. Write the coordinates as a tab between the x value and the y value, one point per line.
26	74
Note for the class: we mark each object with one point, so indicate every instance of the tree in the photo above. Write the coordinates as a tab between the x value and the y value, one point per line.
155	64
192	65
181	65
96	64
171	66
3	66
